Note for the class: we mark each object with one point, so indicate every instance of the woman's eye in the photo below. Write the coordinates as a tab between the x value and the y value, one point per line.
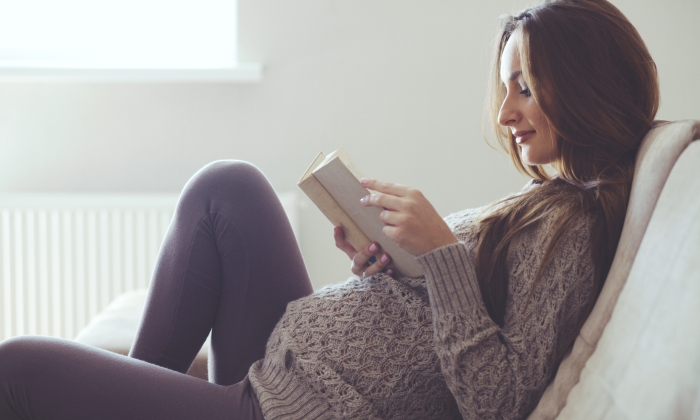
526	92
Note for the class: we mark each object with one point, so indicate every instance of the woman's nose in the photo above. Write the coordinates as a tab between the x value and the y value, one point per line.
507	115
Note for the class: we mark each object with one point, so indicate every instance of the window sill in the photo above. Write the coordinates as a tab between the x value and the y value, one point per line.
243	73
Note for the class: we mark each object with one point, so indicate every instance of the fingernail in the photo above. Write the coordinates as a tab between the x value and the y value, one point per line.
364	181
390	272
384	259
363	200
373	248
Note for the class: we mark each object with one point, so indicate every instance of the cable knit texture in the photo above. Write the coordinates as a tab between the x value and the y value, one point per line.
425	347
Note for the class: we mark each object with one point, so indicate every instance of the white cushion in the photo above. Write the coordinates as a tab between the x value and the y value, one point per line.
115	328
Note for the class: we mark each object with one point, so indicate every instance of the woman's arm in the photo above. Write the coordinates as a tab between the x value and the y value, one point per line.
493	372
501	372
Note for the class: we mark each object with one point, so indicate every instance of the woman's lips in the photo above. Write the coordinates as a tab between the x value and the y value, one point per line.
522	136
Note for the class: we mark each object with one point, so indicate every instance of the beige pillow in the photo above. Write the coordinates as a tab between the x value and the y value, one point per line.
658	153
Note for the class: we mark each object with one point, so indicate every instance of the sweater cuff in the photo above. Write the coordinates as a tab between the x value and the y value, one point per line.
451	279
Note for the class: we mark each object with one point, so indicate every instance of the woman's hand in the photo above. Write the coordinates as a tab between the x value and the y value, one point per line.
362	264
410	219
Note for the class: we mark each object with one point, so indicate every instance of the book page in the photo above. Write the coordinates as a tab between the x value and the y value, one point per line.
320	158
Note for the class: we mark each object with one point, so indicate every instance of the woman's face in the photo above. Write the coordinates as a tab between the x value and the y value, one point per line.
520	112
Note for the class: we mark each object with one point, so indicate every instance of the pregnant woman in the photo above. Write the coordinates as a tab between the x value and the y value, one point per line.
479	336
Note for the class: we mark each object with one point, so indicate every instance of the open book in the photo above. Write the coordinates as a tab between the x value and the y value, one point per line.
333	183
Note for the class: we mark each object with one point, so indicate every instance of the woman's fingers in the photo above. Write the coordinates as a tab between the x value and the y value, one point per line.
368	261
365	262
378	266
362	259
385	187
342	243
389	217
409	218
387	201
390	196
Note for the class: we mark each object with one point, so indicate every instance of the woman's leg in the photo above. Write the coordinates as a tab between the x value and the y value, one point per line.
45	378
229	264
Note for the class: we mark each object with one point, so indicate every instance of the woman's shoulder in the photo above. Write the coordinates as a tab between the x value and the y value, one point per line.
463	217
568	226
463	221
570	232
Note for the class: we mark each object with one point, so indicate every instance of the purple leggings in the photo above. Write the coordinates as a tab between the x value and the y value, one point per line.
229	265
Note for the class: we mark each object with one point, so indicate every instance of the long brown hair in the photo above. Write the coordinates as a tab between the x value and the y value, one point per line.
591	74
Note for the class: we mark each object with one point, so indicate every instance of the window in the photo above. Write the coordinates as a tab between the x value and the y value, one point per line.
130	40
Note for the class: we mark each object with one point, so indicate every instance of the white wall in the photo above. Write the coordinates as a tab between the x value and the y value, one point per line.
399	83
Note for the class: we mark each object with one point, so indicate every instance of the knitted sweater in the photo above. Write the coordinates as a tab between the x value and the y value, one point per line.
425	348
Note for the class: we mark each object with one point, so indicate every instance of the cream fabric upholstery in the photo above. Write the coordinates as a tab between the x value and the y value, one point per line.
115	329
647	362
657	156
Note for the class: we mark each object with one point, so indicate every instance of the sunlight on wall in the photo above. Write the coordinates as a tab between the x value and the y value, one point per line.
118	34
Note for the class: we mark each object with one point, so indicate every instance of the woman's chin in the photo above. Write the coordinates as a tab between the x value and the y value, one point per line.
528	160
532	160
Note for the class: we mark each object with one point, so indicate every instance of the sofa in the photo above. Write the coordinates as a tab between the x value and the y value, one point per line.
638	354
115	328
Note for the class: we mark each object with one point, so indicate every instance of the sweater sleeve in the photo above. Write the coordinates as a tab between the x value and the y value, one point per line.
494	372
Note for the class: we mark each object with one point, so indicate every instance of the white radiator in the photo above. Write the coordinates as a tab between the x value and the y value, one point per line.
63	258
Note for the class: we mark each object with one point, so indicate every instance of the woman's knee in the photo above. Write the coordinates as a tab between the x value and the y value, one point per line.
19	355
227	173
226	177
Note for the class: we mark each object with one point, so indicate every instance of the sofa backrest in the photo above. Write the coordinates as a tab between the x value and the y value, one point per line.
647	362
658	154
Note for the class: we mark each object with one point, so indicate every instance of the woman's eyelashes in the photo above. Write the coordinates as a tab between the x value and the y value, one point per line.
525	92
